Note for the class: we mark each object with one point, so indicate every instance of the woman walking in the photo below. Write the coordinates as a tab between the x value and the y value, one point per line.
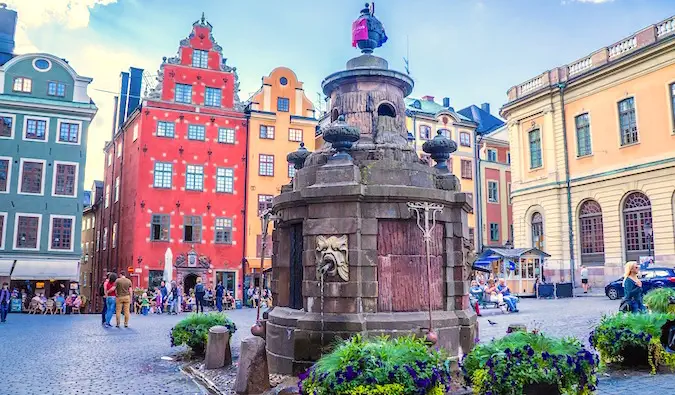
110	298
199	294
632	288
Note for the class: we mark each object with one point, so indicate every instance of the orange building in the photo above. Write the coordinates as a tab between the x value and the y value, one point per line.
280	118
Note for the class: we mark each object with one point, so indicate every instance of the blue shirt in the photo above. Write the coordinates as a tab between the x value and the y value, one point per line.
504	290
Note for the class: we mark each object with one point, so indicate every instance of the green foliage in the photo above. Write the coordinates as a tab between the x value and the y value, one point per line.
658	300
193	330
379	366
506	365
618	331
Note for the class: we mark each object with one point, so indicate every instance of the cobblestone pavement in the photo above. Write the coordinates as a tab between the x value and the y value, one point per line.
74	354
575	317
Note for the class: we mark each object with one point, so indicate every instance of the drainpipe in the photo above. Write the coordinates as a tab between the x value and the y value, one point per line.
478	230
111	206
562	86
245	211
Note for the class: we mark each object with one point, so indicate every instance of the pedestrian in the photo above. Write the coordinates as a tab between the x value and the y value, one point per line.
200	291
101	293
4	302
250	292
123	290
632	288
164	295
110	298
584	278
145	304
219	296
173	298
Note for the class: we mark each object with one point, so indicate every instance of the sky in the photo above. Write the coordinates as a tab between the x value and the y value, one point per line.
471	51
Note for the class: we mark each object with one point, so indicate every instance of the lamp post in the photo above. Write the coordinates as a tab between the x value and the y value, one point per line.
649	231
265	218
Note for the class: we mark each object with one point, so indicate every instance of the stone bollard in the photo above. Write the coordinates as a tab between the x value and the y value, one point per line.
218	352
516	328
253	376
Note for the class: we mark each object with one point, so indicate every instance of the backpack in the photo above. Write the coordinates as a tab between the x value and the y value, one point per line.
199	288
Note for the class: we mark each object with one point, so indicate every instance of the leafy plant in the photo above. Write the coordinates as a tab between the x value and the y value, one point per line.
379	366
617	332
193	330
658	300
507	365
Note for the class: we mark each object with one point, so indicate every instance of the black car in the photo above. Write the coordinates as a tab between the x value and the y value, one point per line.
653	277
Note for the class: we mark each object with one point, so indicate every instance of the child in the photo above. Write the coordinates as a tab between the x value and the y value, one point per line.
145	304
158	301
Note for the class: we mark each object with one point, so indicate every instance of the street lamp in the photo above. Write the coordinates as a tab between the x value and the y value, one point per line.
649	231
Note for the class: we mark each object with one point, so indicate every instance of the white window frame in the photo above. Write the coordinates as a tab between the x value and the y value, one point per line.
496	156
224	176
496	194
26	118
51	230
77	178
13	131
42	184
291	170
113	236
58	131
119	149
107	196
117	189
16	229
225	133
135	134
3	234
290	135
9	172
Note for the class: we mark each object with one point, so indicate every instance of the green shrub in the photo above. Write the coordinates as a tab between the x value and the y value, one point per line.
506	365
657	300
193	330
379	366
619	331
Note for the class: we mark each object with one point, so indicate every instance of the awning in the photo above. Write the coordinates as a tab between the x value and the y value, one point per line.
6	266
46	269
484	264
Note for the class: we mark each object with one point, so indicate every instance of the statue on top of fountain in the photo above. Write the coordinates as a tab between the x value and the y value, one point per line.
367	31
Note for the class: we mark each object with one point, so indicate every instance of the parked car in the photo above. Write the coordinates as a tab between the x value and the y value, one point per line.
653	277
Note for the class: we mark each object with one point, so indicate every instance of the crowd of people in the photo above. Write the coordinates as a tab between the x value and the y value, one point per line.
492	290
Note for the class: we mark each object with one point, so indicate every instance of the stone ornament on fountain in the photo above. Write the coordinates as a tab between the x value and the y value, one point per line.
440	148
332	257
341	136
297	158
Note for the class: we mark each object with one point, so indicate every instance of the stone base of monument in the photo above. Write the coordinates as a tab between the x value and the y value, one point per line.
218	352
252	375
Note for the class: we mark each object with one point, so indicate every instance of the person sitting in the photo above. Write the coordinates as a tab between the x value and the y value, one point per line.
229	301
509	299
77	303
190	304
60	302
495	296
69	303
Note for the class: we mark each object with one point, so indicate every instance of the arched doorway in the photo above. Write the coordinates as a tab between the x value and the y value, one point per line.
637	216
189	282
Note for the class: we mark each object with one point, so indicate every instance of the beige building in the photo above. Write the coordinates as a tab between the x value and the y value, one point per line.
593	157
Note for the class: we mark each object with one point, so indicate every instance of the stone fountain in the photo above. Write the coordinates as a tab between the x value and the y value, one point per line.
348	256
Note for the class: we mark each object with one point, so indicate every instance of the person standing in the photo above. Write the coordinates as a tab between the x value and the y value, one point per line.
632	287
4	302
110	298
123	290
200	291
173	298
219	296
584	278
165	294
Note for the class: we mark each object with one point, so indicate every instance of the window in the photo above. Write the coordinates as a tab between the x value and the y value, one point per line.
493	192
295	135
535	149
117	189
166	129
627	122
27	234
445	133
105	238
226	135
212	97
283	104
583	135
266	132
223	231
465	139
508	157
194	178
107	196
291	170
183	93
492	155
266	165
155	278
114	235
538	231
494	232
672	105
264	203
5	173
6	126
200	58
3	226
109	159
508	193
135	132
159	227
224	180
36	129
425	132
119	149
22	84
196	132
69	132
637	214
32	177
42	65
192	228
466	169
65	179
98	240
61	233
55	88
162	175
590	222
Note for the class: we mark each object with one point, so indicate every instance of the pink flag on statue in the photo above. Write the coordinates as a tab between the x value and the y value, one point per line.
359	30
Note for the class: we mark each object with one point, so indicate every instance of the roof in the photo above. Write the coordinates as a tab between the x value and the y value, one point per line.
430	107
98	184
512	252
486	121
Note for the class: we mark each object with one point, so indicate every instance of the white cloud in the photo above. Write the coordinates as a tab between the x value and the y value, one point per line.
71	14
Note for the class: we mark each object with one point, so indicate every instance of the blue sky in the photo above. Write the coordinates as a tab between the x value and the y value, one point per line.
471	51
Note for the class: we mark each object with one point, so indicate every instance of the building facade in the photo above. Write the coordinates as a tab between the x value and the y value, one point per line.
173	200
45	112
592	147
88	263
280	117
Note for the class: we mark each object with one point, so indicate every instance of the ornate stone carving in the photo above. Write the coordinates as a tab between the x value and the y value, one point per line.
332	256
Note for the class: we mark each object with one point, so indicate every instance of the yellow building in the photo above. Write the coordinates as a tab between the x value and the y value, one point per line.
280	118
593	157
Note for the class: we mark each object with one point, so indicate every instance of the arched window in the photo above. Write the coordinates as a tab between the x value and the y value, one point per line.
637	214
592	237
538	231
386	110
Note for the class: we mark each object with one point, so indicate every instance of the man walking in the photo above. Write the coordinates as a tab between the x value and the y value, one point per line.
123	291
165	294
200	291
4	302
584	278
219	296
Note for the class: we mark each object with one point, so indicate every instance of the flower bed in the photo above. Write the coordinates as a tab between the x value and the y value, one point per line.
380	366
629	339
193	330
658	300
531	363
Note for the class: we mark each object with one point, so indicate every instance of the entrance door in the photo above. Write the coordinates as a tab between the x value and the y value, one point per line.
189	282
295	300
228	280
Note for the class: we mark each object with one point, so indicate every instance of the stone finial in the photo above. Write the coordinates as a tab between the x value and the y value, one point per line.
341	136
297	158
440	148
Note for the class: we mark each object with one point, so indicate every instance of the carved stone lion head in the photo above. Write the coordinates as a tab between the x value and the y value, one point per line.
332	251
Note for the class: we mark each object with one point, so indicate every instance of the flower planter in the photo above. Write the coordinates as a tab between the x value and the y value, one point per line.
635	356
541	389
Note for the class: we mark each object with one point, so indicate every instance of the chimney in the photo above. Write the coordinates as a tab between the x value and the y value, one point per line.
135	80
446	102
7	29
428	98
485	107
124	99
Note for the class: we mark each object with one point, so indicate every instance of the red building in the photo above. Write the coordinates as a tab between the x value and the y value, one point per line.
174	187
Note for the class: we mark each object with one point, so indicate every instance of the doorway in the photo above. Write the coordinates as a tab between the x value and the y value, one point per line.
228	279
189	283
